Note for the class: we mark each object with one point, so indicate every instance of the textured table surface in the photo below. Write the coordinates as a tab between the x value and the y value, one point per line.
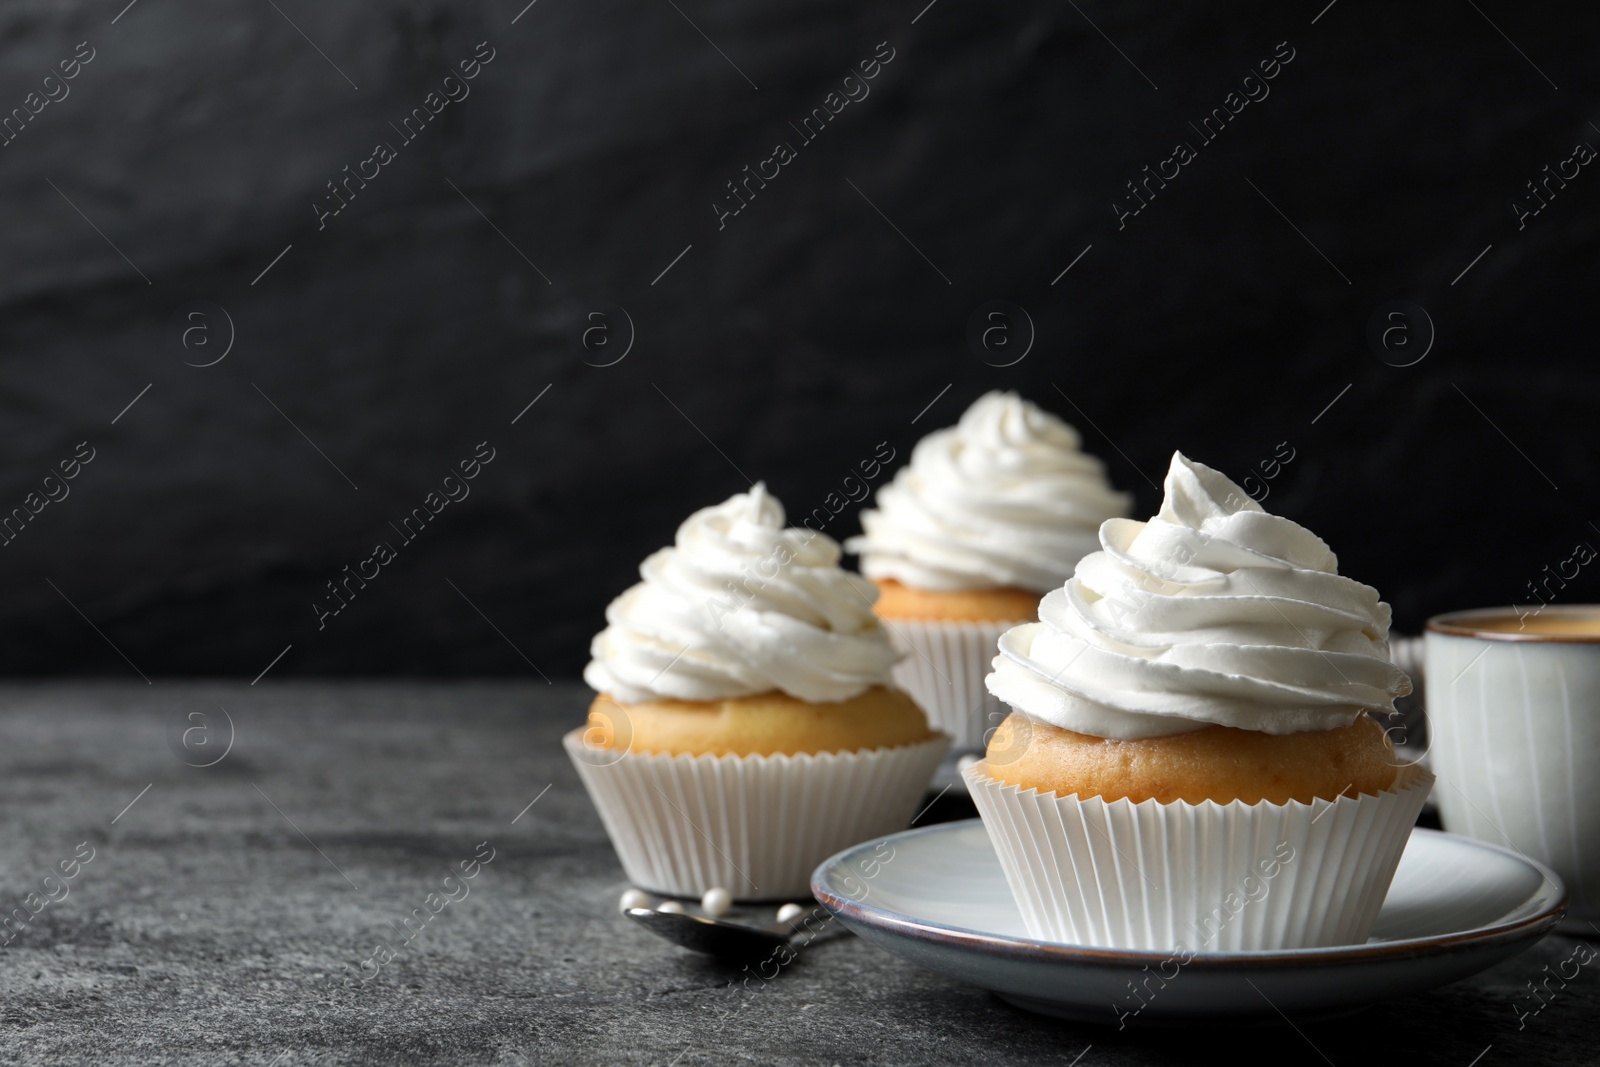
225	916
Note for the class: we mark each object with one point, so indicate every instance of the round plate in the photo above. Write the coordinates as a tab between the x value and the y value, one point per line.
937	897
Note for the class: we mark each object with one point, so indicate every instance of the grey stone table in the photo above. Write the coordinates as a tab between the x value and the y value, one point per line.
225	916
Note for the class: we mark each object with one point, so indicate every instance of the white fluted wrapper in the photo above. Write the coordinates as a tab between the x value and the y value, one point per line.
1199	877
943	670
757	825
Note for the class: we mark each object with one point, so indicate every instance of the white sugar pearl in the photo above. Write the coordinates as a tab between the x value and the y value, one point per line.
634	898
716	902
790	912
966	761
670	907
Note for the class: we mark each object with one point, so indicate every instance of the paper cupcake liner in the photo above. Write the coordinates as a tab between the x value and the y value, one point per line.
756	825
1199	877
943	671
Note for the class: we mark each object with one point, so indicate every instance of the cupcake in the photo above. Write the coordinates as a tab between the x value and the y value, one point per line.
1191	761
746	725
989	514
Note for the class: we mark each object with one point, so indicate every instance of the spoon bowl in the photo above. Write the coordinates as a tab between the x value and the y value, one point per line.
714	937
720	938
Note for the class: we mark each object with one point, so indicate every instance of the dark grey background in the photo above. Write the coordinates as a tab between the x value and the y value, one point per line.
808	330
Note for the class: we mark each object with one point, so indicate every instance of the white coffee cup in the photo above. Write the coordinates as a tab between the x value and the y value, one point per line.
1514	717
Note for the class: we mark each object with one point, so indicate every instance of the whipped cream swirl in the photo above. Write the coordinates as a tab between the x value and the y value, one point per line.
1213	612
1004	498
741	605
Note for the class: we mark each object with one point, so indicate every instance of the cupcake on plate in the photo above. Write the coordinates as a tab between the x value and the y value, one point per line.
989	514
1191	760
747	726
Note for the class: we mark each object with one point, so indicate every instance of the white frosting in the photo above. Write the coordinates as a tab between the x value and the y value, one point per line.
1212	612
1004	498
741	605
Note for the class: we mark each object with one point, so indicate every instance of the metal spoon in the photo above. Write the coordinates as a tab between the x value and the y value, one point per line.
720	938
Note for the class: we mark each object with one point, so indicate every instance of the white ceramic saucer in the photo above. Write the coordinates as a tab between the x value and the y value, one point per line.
937	897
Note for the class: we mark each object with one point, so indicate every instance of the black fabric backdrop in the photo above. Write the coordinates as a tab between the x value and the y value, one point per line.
583	171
